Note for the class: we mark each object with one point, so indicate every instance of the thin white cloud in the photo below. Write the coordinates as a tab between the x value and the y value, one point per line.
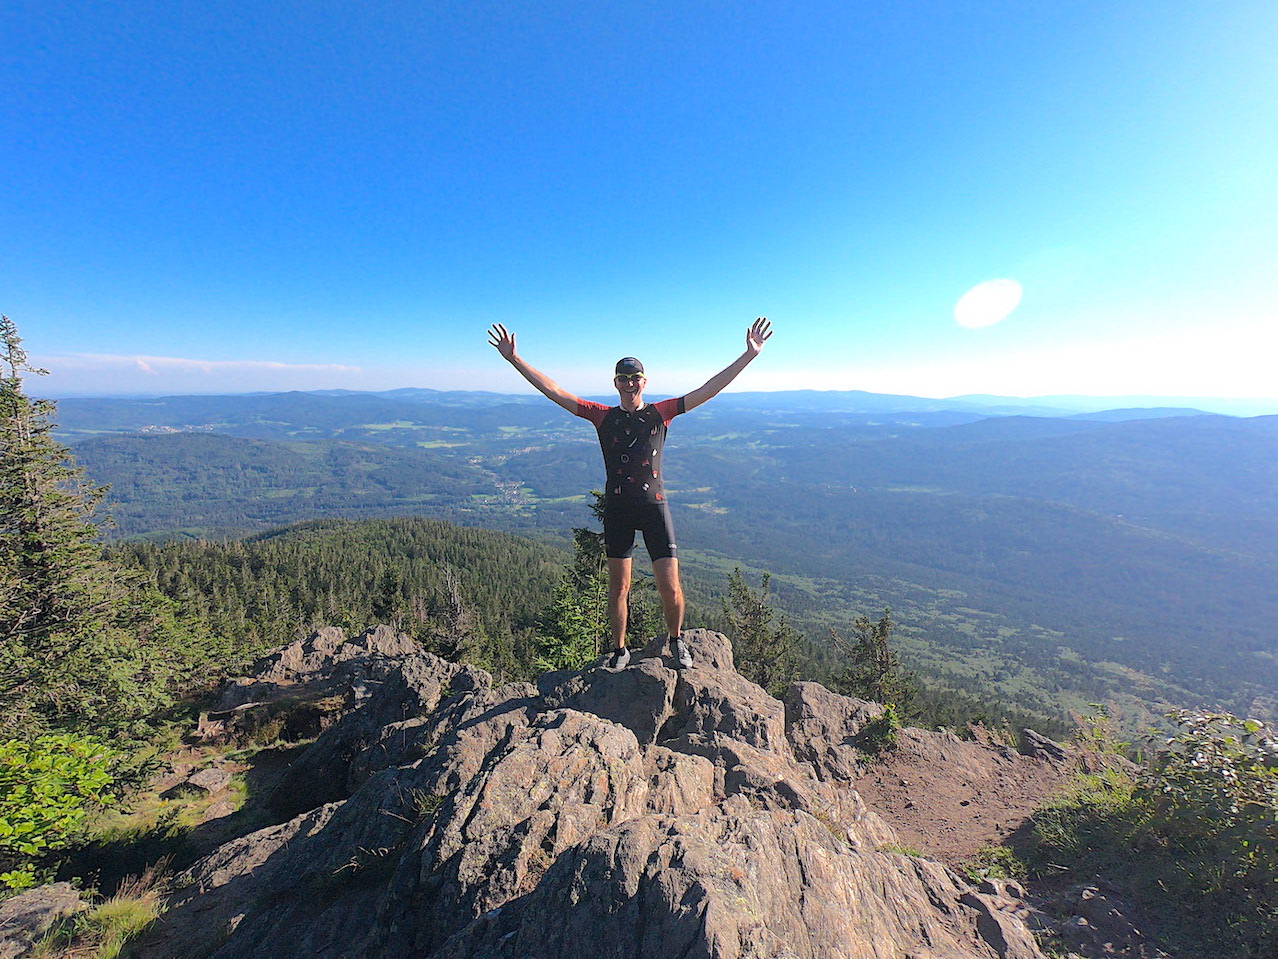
156	365
107	373
987	303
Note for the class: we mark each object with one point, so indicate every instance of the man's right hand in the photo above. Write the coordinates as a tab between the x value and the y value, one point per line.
503	340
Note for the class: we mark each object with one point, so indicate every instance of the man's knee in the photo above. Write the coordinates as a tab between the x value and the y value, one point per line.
670	588
666	574
618	578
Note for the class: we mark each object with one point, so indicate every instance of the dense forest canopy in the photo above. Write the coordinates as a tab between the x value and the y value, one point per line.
466	593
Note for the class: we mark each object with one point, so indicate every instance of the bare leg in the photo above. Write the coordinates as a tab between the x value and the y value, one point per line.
666	573
618	594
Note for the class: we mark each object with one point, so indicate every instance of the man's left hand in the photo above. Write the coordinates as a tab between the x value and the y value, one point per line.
758	333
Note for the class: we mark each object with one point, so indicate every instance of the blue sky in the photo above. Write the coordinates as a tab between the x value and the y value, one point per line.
203	197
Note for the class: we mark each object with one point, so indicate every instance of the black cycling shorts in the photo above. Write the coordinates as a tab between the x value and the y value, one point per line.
623	516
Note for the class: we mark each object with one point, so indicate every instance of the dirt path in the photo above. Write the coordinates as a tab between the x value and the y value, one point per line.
948	797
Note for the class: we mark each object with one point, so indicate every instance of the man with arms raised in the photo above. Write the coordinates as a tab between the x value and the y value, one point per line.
632	435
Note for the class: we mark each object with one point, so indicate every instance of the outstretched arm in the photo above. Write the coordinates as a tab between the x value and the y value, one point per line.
758	333
505	344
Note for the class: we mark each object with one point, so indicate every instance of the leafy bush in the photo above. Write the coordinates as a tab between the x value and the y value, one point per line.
1212	800
1194	835
46	788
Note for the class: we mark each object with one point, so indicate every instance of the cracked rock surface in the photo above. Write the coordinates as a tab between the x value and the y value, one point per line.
644	812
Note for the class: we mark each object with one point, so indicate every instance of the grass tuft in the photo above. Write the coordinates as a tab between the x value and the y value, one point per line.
104	931
902	849
994	862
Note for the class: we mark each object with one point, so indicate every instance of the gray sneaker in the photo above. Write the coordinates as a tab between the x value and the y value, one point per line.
617	659
682	654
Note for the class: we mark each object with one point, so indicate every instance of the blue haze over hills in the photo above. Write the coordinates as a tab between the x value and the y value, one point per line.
1118	407
1053	555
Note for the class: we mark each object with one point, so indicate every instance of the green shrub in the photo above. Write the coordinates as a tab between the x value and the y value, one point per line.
46	788
1211	798
879	734
1194	835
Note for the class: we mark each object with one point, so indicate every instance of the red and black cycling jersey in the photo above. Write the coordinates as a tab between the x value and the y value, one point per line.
632	444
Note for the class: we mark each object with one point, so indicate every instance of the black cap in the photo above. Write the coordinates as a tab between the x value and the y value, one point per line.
628	365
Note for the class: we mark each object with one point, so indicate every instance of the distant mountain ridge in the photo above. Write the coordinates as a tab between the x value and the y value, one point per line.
79	415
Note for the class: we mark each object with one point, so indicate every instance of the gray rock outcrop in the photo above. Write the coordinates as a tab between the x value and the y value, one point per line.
301	689
27	917
646	812
822	727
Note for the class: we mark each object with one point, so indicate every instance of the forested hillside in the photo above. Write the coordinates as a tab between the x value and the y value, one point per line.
465	593
207	484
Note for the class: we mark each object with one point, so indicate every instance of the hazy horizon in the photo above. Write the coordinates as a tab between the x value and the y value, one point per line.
1228	406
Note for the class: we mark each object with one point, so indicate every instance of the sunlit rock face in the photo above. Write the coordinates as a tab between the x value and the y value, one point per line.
644	812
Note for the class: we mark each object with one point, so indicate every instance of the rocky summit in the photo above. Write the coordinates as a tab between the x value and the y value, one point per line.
647	812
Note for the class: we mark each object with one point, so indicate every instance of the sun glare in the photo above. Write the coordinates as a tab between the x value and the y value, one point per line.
987	303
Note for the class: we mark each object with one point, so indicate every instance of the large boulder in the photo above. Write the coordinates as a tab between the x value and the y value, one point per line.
315	662
389	728
734	881
299	690
822	728
643	812
640	698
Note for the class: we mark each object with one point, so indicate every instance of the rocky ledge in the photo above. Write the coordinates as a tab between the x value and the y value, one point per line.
642	813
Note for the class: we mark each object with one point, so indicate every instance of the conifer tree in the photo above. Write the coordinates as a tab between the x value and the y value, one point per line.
56	590
872	670
765	647
577	620
577	623
46	531
80	641
644	617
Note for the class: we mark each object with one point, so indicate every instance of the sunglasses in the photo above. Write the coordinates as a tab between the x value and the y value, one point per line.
631	378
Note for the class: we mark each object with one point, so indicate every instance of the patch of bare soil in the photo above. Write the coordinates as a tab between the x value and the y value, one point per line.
948	797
